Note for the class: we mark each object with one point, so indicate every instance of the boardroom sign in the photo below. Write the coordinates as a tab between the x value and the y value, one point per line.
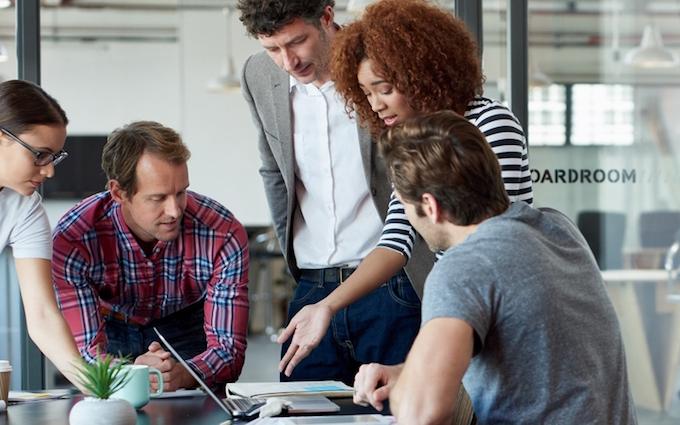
583	175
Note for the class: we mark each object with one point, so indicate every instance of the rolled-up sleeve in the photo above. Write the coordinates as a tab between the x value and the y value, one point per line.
226	312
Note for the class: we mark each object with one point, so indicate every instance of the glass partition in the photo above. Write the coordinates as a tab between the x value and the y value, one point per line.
175	62
10	312
604	149
495	49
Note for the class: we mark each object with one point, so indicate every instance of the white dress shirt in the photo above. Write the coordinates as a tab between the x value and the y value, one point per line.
336	222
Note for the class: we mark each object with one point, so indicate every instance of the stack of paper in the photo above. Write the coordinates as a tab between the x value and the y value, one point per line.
21	396
278	389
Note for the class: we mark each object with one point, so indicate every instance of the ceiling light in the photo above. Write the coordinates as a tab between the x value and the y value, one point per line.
4	54
651	53
227	80
538	78
357	6
5	4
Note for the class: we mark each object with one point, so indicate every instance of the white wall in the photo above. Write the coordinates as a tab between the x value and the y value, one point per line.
104	84
217	126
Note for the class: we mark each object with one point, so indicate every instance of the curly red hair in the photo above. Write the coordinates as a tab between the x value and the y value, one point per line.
424	51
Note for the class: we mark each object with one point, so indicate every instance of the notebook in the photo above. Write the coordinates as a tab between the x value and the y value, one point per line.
308	404
278	389
240	407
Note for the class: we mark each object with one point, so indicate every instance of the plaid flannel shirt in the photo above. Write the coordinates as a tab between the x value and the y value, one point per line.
98	263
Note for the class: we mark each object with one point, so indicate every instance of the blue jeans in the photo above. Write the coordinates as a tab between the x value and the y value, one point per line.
380	328
183	329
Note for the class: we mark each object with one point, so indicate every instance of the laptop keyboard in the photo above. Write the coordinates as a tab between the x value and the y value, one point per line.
244	406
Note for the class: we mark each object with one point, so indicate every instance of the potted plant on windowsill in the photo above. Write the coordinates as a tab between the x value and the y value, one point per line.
101	379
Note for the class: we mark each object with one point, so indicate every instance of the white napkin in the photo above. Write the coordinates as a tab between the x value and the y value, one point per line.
273	407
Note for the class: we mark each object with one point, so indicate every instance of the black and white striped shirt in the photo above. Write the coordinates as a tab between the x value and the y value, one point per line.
506	138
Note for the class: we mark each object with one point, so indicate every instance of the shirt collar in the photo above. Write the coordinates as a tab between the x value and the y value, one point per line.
303	88
123	232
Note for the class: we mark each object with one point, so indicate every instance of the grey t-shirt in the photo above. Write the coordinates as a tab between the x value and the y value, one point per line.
548	348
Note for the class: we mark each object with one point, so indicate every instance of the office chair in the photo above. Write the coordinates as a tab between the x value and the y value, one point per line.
464	414
604	231
658	228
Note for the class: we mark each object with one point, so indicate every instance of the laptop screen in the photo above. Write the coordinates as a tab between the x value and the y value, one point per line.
194	374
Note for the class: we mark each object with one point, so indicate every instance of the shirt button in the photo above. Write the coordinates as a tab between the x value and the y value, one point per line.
373	191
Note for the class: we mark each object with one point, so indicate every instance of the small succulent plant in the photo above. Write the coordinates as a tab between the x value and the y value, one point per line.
104	376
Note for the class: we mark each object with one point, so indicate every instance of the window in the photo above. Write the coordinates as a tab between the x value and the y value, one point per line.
581	115
547	115
602	114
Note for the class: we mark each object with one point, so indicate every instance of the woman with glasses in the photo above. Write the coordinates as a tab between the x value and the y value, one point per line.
32	136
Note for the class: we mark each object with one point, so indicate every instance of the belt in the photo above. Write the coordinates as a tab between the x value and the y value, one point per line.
118	316
183	315
115	315
329	275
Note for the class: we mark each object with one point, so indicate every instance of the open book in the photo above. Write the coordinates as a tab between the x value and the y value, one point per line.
278	389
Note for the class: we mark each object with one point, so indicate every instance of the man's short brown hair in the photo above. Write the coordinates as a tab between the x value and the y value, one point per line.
126	145
443	154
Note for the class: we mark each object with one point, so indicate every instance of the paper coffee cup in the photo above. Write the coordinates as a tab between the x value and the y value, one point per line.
5	374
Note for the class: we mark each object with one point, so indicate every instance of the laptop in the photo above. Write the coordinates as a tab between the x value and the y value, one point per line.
234	407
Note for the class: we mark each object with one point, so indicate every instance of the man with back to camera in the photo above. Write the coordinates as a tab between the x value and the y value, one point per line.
528	327
149	252
326	189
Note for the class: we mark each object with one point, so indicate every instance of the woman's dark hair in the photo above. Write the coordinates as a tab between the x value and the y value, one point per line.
266	17
24	105
425	52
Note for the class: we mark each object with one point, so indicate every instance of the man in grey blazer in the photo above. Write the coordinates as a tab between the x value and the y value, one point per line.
328	191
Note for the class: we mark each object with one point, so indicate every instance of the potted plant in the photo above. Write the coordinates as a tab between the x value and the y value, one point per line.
101	379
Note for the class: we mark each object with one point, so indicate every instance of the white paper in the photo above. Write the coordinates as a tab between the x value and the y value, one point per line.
255	389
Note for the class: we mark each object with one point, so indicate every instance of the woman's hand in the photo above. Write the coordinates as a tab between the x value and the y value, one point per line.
307	328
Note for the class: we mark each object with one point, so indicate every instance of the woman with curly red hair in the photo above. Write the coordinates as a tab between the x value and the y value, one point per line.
400	59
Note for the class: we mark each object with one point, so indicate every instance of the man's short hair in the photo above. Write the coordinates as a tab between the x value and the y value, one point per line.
127	144
266	17
443	154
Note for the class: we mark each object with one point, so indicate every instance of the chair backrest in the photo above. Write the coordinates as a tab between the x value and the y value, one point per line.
604	231
464	414
658	229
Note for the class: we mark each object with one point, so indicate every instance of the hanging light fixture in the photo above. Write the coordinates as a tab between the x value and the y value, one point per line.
651	53
357	6
4	54
227	80
537	78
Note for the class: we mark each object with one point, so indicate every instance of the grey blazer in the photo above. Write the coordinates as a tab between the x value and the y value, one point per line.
266	88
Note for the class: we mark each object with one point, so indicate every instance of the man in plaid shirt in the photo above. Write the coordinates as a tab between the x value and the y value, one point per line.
147	253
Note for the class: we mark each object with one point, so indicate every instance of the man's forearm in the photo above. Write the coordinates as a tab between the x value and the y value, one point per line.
428	385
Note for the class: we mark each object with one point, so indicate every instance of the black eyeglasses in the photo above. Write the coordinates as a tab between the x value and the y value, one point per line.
42	158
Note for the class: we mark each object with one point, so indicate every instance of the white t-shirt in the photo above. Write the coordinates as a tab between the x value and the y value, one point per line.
24	225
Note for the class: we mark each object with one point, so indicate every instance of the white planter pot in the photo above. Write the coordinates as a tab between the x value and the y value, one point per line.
94	411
